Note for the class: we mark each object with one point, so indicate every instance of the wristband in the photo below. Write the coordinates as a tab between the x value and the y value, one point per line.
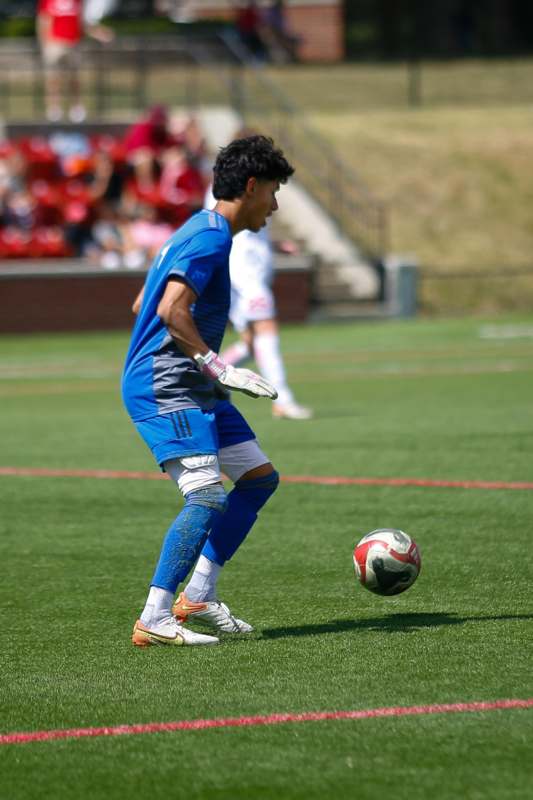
210	365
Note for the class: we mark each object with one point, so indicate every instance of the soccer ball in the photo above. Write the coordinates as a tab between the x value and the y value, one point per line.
386	561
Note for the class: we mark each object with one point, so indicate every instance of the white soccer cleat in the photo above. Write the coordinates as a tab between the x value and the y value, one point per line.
213	613
291	411
168	632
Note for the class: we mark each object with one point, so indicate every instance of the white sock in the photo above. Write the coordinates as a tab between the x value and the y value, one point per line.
202	586
270	363
158	606
236	353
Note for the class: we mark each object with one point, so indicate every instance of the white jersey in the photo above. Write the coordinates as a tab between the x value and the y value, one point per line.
251	258
251	267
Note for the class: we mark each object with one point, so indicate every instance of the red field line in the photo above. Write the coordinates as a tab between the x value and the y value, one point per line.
340	481
37	472
324	480
267	719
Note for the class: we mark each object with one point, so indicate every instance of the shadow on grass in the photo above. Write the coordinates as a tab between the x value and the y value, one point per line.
392	623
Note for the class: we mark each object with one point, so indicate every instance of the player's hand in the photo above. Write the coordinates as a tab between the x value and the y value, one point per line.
244	380
230	377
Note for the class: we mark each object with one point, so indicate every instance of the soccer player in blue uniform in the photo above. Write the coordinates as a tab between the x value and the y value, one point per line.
175	388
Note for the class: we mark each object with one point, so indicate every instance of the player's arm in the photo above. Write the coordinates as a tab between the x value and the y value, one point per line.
137	303
102	33
174	310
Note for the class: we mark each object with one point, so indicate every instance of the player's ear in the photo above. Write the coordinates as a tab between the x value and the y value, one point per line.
251	183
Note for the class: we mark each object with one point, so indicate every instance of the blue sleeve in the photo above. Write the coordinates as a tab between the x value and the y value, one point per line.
196	261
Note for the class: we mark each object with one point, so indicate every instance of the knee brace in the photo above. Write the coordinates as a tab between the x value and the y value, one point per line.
213	496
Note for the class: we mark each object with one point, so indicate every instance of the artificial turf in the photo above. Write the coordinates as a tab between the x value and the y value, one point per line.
422	399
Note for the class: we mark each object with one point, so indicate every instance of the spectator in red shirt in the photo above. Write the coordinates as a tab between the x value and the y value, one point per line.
60	29
145	142
180	180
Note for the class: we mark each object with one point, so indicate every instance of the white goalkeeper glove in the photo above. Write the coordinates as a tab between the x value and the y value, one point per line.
242	380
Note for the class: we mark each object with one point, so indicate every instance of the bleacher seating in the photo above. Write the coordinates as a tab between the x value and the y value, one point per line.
55	189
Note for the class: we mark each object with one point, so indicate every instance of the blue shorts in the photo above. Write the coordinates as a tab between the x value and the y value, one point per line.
194	432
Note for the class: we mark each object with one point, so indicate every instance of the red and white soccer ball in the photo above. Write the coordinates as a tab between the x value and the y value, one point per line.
386	561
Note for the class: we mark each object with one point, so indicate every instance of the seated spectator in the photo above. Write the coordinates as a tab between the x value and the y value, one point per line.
189	132
144	236
74	195
181	185
13	169
20	210
77	227
105	179
107	243
144	142
112	145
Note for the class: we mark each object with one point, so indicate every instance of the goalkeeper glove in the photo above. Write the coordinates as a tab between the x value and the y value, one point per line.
230	377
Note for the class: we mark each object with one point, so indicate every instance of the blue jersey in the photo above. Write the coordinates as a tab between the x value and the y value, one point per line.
158	377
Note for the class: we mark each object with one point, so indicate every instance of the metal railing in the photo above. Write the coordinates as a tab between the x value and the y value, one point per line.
129	74
341	192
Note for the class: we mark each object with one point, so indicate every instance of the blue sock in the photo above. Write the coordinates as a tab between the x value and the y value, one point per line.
187	534
244	501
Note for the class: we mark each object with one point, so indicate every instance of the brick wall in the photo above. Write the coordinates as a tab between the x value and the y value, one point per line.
321	30
67	302
318	23
102	300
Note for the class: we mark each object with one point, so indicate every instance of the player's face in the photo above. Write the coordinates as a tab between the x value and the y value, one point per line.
261	203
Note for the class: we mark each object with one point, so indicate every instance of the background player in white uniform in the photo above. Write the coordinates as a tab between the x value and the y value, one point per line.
253	315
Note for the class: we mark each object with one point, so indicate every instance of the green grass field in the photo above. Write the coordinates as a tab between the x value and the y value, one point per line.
446	400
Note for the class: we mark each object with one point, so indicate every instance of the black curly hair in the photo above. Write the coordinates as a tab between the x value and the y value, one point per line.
250	157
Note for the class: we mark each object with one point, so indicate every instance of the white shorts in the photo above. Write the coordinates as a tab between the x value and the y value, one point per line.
197	472
255	304
60	56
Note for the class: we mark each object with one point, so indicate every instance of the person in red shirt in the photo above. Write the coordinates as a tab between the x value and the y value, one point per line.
60	29
151	132
182	186
145	142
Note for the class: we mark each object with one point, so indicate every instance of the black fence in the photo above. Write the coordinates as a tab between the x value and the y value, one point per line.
132	73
